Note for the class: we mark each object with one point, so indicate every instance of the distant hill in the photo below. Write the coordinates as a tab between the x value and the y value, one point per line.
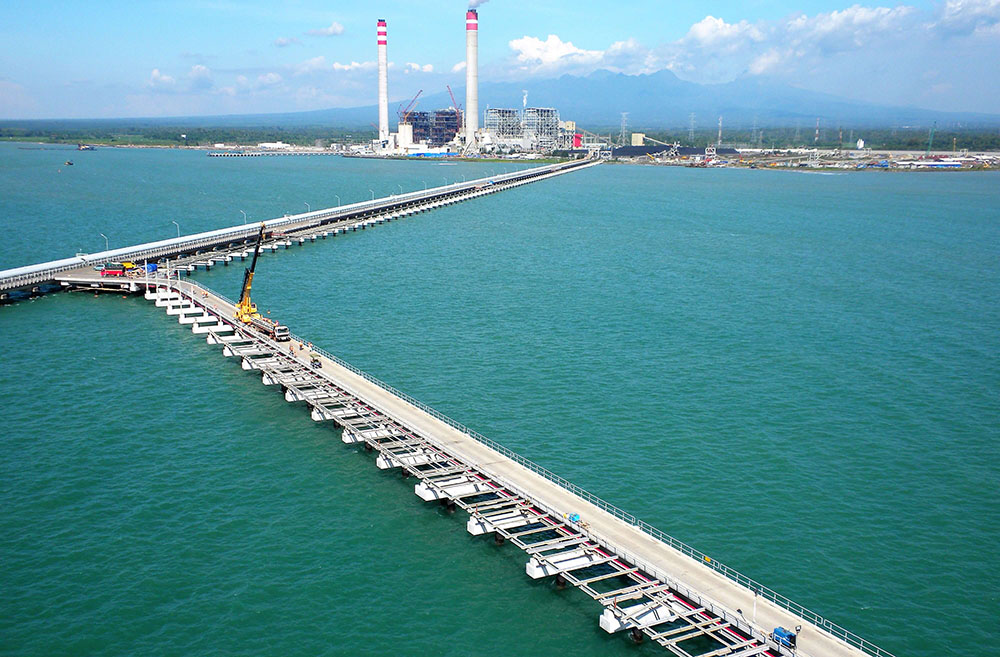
655	101
662	100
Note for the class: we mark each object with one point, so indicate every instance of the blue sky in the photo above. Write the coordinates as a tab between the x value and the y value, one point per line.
182	57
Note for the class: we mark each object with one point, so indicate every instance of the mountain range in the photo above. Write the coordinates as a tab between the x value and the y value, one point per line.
662	100
658	100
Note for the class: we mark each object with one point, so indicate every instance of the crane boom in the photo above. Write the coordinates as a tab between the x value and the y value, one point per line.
245	309
405	113
458	110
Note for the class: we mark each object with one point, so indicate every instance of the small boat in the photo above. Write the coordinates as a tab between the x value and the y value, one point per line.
69	163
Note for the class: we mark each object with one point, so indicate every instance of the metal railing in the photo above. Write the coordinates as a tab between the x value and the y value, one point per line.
235	233
734	575
756	587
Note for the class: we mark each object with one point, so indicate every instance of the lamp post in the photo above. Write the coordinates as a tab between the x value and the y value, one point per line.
106	247
400	189
425	184
308	208
244	217
338	199
445	180
373	193
178	228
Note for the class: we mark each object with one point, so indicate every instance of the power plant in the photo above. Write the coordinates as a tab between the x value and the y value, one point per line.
454	131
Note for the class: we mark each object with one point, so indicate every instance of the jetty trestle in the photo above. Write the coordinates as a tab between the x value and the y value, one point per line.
635	597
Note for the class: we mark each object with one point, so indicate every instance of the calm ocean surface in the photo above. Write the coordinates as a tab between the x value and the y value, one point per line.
798	374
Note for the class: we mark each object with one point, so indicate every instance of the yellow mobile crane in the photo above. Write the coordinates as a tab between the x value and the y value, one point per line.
246	310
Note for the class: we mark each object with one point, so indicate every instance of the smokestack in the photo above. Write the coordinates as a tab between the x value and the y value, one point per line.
383	82
471	76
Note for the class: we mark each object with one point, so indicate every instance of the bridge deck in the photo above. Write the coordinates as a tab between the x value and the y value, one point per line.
456	467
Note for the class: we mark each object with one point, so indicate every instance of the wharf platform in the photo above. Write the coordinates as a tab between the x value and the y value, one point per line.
648	583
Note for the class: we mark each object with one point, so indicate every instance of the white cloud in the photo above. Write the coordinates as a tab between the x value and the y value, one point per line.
956	17
553	55
874	53
311	66
458	67
158	80
413	67
715	32
268	79
200	77
765	62
354	66
334	29
320	65
284	42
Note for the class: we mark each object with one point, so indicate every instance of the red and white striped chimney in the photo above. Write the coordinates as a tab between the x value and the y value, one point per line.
383	82
471	76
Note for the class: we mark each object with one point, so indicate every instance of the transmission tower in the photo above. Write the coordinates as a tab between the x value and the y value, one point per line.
621	135
691	128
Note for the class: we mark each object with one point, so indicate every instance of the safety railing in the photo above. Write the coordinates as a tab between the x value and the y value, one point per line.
756	587
227	235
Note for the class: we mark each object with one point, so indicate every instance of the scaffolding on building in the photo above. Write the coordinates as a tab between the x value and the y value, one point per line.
444	126
503	125
541	127
421	122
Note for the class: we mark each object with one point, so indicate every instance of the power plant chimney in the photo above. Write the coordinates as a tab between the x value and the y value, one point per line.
471	76
383	83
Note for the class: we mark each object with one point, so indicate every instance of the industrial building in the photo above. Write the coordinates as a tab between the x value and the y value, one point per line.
503	125
456	131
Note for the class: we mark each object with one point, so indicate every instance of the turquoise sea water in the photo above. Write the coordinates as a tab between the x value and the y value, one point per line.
795	373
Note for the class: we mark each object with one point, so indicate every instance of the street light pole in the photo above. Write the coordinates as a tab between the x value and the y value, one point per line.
373	193
178	228
106	247
400	189
308	208
425	184
244	217
338	199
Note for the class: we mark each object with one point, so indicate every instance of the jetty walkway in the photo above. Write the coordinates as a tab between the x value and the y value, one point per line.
33	279
647	583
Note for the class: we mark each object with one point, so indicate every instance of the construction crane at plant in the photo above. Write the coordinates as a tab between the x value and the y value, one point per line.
458	108
404	114
930	139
